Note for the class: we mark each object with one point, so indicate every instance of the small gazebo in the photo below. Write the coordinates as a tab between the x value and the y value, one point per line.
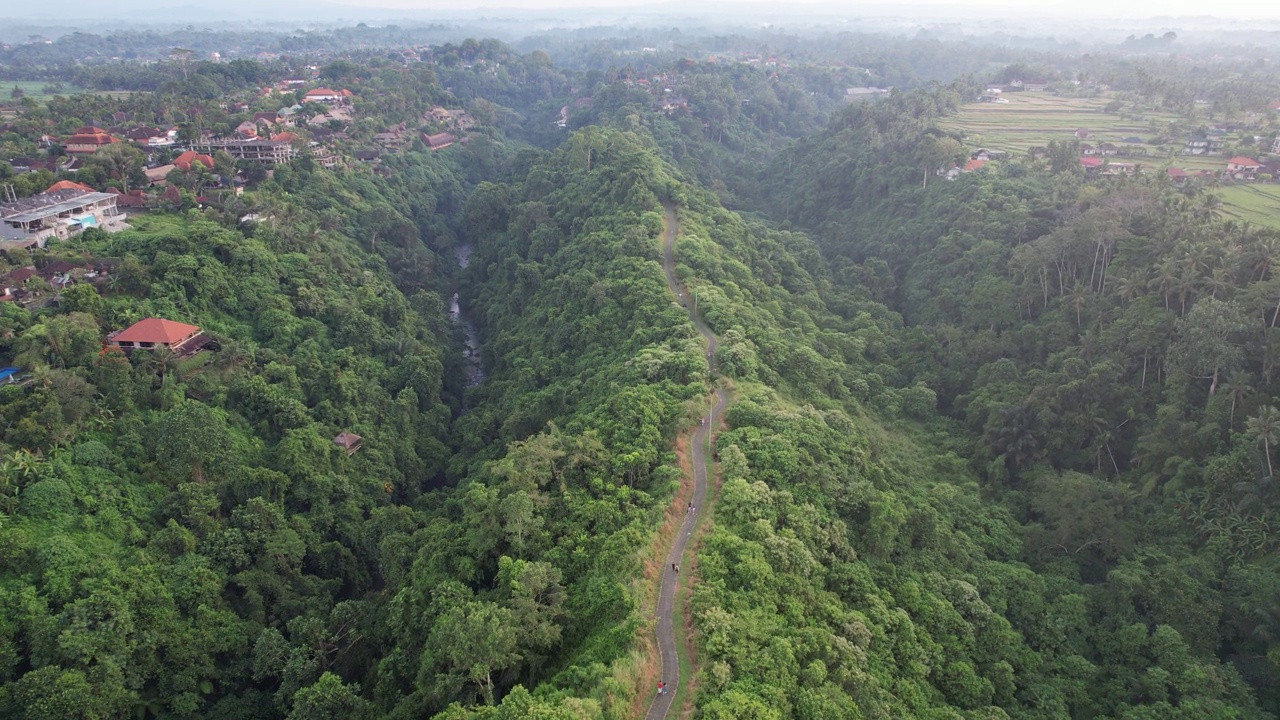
347	441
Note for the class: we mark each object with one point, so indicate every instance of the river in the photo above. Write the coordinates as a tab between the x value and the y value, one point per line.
471	337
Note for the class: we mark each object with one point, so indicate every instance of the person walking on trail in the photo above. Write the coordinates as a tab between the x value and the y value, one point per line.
662	688
673	567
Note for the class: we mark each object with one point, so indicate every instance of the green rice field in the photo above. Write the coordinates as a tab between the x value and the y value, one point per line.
1255	203
1031	119
34	89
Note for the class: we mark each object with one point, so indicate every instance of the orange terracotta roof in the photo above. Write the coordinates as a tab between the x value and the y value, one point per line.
975	164
320	91
156	330
1240	160
285	136
97	138
67	185
191	156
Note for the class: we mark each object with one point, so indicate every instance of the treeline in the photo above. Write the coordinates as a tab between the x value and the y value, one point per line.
182	536
1107	350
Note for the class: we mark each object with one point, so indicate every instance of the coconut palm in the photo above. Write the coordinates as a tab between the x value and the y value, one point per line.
1238	389
1265	430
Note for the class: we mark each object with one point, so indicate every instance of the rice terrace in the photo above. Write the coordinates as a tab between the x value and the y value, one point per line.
1021	121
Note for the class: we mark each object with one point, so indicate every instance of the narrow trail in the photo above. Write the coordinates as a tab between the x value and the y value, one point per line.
667	622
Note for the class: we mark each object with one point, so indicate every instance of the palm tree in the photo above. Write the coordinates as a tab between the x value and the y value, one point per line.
160	361
1238	389
1220	282
1198	259
1166	278
1265	429
1078	298
1129	287
1264	251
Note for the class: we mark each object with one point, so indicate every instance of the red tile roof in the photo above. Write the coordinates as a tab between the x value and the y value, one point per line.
95	138
68	185
1091	162
156	330
285	136
133	198
320	91
22	275
1178	173
974	165
185	159
1241	160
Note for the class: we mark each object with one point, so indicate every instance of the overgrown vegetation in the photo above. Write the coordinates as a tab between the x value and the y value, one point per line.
1001	447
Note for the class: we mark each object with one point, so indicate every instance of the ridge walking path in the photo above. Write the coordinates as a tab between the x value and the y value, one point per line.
670	665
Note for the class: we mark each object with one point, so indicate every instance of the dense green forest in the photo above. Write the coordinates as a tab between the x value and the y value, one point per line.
1001	447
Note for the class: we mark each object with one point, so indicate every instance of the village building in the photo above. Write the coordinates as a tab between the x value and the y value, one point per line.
393	138
267	118
348	441
88	140
65	209
863	93
27	164
152	333
152	137
1243	168
259	150
159	175
327	96
673	104
1199	144
438	141
191	157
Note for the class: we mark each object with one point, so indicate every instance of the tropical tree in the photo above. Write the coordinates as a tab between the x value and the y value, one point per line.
1264	428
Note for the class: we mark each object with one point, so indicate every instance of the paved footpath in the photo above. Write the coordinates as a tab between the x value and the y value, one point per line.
667	621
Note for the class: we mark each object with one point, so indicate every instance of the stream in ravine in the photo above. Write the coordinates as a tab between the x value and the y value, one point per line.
471	345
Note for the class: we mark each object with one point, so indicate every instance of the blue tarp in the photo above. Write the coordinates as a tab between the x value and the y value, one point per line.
6	373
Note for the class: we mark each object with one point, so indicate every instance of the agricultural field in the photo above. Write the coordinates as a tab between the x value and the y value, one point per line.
35	89
1255	203
1031	119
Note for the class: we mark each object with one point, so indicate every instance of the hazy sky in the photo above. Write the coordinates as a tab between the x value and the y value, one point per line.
1096	8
